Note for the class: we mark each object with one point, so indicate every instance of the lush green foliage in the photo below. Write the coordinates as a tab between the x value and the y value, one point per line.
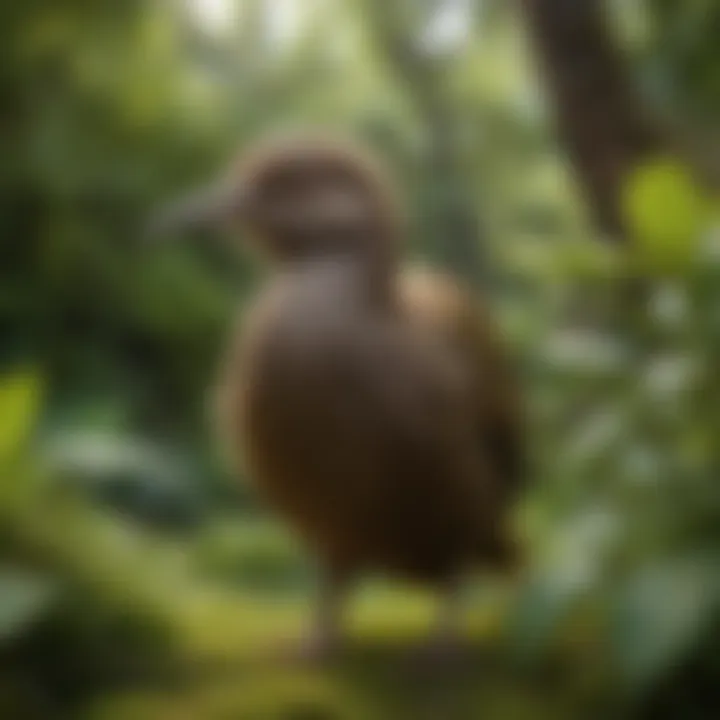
129	560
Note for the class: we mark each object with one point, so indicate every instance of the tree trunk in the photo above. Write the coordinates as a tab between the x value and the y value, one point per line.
600	122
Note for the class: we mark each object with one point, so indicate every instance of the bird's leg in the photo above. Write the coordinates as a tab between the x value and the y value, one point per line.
324	637
445	642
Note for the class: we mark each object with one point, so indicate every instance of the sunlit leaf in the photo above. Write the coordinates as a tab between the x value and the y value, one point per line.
666	211
20	396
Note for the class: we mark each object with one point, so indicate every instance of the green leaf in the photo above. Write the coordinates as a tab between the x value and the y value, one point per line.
24	598
659	614
563	582
542	606
592	260
20	398
666	211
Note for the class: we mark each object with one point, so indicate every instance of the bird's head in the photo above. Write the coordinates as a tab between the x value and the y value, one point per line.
298	197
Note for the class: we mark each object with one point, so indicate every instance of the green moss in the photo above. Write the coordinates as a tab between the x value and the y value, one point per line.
230	667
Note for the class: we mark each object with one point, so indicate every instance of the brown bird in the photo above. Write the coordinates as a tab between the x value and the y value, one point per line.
373	407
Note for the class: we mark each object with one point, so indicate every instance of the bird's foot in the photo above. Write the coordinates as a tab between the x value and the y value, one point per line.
444	653
316	649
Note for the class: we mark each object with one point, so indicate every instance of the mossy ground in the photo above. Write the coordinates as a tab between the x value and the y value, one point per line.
229	667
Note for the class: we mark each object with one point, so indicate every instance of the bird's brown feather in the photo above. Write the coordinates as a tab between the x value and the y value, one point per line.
372	407
388	440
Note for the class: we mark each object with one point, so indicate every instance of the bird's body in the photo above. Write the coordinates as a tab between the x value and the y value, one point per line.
369	424
372	407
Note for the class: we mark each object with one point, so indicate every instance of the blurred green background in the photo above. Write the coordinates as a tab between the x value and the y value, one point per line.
138	579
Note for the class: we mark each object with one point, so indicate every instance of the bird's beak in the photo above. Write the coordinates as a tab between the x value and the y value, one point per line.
205	209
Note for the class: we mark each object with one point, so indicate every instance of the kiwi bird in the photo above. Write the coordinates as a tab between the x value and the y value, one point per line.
372	406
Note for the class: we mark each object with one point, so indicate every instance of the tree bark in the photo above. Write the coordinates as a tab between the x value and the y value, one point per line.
600	121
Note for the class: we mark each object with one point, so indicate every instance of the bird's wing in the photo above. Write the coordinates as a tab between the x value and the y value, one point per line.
449	309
